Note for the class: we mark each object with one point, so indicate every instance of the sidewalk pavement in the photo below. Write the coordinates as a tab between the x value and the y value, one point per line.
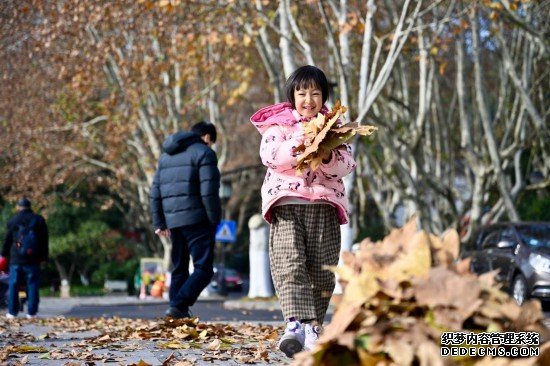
54	340
59	341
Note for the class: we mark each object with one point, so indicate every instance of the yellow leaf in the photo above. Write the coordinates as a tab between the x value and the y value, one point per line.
360	289
29	349
345	273
141	363
173	345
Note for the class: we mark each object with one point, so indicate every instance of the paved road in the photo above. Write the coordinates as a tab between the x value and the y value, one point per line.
206	311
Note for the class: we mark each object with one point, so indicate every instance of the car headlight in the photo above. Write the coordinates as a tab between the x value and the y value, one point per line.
539	262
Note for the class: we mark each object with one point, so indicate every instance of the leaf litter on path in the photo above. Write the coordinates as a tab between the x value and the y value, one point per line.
244	343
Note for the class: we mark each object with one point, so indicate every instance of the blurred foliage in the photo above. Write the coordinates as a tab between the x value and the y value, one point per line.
88	241
535	206
76	290
6	211
118	271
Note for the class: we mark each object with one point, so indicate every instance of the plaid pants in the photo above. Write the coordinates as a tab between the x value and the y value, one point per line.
302	240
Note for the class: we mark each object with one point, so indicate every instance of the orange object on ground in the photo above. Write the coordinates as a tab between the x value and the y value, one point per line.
157	289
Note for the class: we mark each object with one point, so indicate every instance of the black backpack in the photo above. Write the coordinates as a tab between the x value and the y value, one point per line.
26	240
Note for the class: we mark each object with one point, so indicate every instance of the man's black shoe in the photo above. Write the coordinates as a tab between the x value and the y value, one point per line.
176	313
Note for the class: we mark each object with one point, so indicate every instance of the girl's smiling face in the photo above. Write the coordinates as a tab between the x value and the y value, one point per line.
308	101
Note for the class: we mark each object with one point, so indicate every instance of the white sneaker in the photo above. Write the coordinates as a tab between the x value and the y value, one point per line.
312	333
29	316
292	340
10	316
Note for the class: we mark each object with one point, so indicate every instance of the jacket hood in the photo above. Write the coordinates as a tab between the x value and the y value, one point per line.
180	141
277	114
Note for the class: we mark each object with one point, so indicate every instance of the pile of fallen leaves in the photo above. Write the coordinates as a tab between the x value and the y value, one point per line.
210	342
402	293
325	133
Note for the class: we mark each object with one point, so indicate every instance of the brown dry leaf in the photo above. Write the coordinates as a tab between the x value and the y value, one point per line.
451	242
544	355
105	338
400	352
451	319
530	312
335	139
428	353
463	267
215	345
344	315
261	353
273	336
446	288
140	363
402	235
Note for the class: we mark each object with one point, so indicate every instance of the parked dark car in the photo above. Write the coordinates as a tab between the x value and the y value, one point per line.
233	280
520	252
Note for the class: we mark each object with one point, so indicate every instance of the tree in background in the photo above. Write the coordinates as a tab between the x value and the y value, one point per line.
457	89
83	239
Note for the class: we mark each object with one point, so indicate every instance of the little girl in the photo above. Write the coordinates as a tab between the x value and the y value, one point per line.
304	211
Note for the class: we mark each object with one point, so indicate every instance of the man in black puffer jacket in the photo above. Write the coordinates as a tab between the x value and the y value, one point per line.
185	206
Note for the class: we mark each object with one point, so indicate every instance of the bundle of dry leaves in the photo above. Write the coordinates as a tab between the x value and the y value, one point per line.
324	134
403	292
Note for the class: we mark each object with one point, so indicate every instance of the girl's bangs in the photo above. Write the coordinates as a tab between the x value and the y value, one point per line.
307	83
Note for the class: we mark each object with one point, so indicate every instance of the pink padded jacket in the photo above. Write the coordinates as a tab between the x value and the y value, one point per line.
281	132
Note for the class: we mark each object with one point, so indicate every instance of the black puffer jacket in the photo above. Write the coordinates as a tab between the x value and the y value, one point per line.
24	217
186	186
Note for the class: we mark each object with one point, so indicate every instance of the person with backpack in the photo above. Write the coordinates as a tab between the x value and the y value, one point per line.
25	246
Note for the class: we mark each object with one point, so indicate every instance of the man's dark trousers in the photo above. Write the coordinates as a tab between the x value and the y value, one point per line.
198	241
28	274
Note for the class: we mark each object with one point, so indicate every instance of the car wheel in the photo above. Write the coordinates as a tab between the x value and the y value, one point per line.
519	289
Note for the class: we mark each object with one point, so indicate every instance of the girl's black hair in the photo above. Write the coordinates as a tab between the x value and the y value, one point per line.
305	77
